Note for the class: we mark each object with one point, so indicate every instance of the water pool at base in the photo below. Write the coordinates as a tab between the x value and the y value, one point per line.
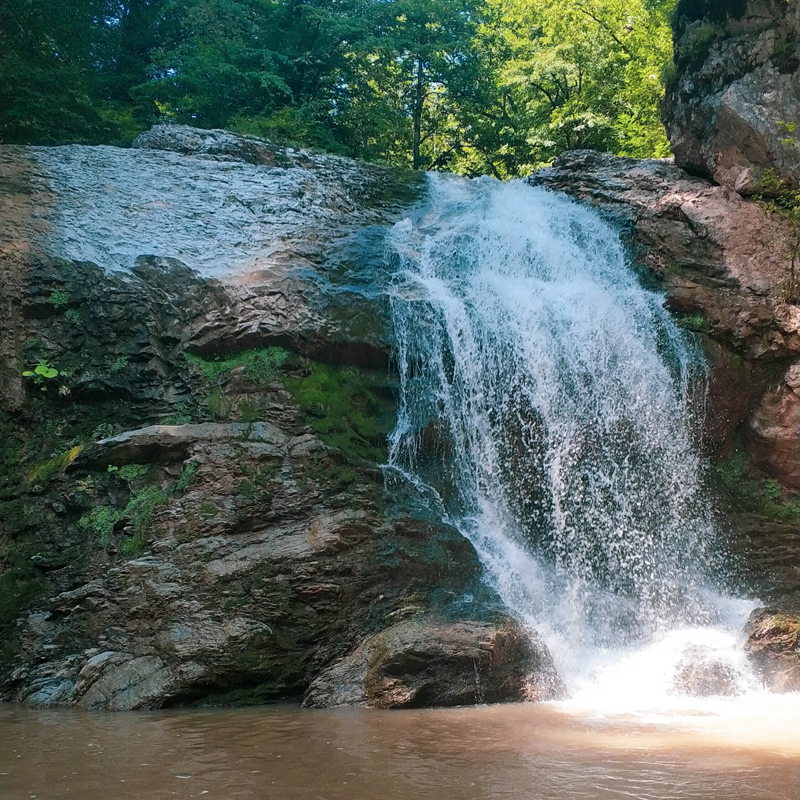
721	749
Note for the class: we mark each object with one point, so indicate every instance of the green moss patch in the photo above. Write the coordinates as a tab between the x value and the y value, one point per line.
746	491
345	408
260	365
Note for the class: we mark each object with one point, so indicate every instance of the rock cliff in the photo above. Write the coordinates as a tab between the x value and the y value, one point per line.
196	398
732	110
196	393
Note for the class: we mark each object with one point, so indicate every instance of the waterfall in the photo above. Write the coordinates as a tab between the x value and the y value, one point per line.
546	404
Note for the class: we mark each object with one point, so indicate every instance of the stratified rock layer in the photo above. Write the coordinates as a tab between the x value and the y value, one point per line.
192	507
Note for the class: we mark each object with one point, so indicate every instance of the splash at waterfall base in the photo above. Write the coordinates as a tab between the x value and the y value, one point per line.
224	533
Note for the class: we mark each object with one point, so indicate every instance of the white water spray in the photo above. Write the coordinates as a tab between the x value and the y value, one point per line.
546	411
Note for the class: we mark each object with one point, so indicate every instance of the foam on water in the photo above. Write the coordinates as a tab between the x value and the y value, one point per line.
549	409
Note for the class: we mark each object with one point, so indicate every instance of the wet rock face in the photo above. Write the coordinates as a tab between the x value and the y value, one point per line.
422	662
192	506
718	255
731	109
724	265
774	429
773	648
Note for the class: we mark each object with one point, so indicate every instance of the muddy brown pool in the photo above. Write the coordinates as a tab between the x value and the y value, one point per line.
514	751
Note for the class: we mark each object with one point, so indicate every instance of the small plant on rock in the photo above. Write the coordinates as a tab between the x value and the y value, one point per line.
58	299
42	374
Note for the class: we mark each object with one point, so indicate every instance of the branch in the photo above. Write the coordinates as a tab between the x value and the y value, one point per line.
608	30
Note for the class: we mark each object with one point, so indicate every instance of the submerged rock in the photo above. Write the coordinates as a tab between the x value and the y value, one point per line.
773	648
423	662
701	675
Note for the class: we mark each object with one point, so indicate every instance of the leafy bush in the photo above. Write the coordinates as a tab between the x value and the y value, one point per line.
101	520
187	473
129	472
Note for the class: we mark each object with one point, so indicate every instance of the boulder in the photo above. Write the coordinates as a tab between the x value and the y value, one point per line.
732	109
699	674
772	645
423	662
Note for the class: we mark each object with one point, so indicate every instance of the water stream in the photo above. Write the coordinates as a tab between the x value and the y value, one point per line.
549	410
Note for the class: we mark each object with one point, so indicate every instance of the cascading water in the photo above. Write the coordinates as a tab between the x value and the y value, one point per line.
545	411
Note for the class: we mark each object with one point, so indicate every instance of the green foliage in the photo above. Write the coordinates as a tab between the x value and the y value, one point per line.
141	507
129	472
59	299
475	86
693	322
101	521
342	407
783	199
74	316
700	36
248	410
182	416
778	195
133	546
187	473
219	404
749	492
138	511
260	366
177	419
105	430
208	510
118	364
42	373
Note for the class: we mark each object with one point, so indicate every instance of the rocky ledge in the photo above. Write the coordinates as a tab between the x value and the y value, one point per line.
192	505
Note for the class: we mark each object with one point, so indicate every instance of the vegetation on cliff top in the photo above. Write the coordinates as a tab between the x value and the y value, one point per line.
475	86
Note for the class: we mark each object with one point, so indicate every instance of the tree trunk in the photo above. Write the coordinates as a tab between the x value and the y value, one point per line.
419	100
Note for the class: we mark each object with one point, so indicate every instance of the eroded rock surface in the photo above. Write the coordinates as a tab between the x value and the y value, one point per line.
422	662
773	648
732	108
192	504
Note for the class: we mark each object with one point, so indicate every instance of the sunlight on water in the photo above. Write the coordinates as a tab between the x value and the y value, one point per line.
539	751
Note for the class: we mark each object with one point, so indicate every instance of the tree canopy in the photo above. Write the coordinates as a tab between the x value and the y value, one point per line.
475	86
